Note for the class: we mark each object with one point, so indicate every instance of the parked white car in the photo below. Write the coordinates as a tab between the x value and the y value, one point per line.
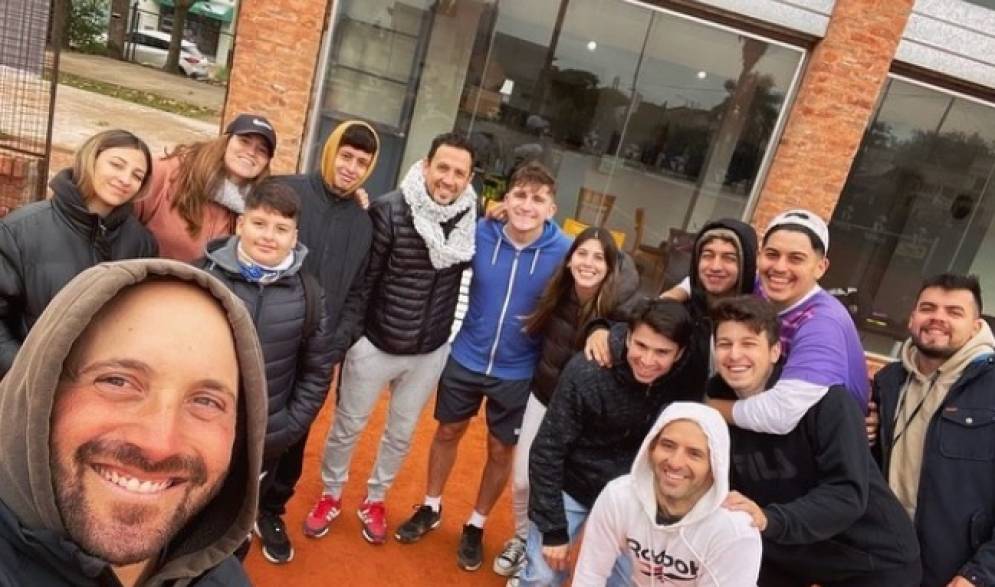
152	47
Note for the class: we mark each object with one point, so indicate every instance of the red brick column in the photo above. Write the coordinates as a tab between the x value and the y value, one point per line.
835	103
18	181
273	69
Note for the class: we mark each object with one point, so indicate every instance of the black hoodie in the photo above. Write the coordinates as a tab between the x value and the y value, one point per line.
698	304
594	426
45	244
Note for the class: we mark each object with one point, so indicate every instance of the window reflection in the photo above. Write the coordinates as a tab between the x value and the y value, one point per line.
983	3
653	123
919	201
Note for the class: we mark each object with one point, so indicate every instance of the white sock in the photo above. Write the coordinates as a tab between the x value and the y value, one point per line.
434	502
477	519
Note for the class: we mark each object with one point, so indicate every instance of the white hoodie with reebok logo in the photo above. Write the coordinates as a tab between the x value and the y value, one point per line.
710	546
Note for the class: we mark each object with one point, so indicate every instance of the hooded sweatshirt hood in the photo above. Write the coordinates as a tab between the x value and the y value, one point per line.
746	245
715	429
27	396
68	201
710	545
331	149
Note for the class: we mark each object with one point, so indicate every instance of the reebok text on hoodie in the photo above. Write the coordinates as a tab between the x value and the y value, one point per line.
709	546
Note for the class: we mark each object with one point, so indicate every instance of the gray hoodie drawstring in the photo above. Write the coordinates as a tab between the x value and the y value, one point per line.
535	260
497	247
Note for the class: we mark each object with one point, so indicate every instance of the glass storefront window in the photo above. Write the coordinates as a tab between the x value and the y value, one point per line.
652	122
990	4
919	201
662	121
374	65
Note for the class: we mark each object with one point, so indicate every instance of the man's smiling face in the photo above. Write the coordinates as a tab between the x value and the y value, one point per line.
144	420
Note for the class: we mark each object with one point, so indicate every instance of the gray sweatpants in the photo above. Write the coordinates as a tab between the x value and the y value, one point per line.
365	371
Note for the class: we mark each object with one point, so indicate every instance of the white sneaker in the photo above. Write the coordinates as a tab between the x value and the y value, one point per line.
510	560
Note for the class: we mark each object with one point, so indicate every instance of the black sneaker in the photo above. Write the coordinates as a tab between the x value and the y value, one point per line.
273	533
471	548
424	521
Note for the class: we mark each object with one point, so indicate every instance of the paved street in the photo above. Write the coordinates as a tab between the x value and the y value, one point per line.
140	77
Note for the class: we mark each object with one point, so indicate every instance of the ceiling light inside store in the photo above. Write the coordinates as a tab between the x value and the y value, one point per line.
702	74
592	45
507	87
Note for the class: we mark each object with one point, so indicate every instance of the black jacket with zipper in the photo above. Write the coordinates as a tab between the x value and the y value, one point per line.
955	507
298	364
593	428
410	304
338	234
46	244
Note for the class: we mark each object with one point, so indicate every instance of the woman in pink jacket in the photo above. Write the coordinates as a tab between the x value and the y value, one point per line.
197	190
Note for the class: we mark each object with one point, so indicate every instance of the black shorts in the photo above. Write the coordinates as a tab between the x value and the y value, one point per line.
461	392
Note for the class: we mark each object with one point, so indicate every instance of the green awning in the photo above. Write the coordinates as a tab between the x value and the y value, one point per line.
216	10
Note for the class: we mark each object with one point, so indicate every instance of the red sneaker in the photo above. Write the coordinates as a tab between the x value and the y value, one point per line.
321	515
374	517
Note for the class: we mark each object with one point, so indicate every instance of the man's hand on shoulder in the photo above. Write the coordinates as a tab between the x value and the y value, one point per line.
362	198
959	581
738	502
496	210
675	293
596	347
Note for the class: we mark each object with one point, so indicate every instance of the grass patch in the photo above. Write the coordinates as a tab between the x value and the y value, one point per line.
139	97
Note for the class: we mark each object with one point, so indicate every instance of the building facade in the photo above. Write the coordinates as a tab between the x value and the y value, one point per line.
657	116
210	24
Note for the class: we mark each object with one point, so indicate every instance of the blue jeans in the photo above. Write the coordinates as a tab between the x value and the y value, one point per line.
536	572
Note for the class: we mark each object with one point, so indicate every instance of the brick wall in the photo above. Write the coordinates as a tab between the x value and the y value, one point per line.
18	180
273	68
835	103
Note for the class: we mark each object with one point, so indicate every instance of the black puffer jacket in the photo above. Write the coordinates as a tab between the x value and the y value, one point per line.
45	244
337	233
593	429
298	369
561	337
411	304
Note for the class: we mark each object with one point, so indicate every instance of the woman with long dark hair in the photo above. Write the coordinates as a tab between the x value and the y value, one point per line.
87	221
198	189
596	280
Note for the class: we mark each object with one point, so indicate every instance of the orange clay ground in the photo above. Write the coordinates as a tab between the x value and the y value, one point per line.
342	557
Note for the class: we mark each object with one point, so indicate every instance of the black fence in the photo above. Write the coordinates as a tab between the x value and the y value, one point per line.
28	63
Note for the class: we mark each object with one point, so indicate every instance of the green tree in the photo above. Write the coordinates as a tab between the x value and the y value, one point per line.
87	24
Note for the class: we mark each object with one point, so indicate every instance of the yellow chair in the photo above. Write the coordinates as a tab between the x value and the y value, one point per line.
572	227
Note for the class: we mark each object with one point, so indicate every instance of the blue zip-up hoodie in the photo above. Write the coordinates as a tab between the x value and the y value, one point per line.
507	282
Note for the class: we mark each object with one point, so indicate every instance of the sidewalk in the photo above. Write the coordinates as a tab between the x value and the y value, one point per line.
146	79
80	114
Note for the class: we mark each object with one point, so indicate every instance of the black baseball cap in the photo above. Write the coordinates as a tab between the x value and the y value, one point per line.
253	124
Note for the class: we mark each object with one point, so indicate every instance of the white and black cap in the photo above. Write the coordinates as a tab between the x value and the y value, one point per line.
806	219
253	124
